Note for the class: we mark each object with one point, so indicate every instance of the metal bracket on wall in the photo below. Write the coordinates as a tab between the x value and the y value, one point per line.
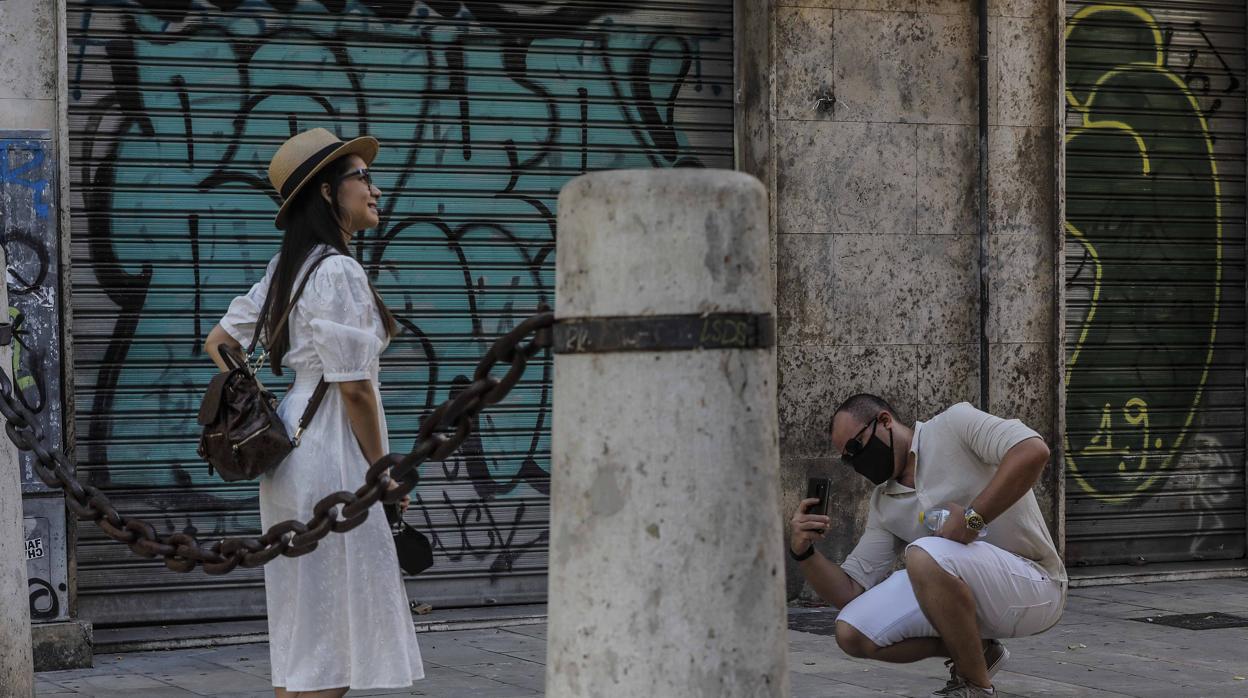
664	333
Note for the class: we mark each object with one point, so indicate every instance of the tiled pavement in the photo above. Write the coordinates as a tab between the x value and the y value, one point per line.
1097	650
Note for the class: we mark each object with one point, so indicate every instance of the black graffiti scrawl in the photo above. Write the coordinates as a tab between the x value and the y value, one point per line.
484	109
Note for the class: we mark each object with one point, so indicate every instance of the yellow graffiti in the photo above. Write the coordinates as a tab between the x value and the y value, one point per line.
1135	410
27	381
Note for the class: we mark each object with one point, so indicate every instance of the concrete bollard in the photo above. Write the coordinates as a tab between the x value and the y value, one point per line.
666	563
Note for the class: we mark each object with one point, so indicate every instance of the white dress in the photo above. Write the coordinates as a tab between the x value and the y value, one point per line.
339	615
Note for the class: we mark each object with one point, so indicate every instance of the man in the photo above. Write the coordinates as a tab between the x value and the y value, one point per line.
957	587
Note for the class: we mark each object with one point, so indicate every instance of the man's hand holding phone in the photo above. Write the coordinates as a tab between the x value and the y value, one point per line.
806	528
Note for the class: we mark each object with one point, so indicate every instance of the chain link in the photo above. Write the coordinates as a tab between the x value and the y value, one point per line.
388	480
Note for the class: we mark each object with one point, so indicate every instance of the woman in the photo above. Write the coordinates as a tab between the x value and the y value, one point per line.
338	618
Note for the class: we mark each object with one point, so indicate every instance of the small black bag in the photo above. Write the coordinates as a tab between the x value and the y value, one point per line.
414	549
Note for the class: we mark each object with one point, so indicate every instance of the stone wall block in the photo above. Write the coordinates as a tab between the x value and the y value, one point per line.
874	5
28	61
1021	8
1025	55
1023	379
948	197
903	67
804	62
1020	282
1020	180
901	289
804	274
815	379
945	374
845	177
996	8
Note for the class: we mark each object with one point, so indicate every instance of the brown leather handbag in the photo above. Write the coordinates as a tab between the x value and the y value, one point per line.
243	437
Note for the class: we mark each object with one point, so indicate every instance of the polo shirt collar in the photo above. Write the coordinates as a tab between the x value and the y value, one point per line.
892	486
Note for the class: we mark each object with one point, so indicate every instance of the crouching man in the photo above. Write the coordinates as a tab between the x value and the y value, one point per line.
959	593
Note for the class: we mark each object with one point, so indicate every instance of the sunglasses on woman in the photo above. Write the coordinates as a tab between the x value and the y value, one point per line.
361	172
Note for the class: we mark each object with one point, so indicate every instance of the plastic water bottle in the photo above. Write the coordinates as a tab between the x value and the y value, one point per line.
935	518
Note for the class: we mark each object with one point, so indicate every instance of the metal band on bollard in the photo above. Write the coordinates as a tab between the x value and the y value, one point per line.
664	333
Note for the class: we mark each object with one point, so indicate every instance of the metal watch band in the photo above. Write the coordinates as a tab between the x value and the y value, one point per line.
809	551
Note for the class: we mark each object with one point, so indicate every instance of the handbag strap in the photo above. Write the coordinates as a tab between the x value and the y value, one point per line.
264	312
318	395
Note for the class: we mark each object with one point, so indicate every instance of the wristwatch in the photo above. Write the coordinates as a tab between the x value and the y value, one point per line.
974	520
809	551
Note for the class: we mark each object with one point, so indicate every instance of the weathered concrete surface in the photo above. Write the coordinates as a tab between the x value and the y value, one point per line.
28	62
1095	652
666	541
876	215
58	646
16	667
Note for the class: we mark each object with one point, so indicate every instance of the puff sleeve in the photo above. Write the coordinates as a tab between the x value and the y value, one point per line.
346	327
240	320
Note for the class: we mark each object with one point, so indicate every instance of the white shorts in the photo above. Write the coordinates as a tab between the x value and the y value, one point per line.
1014	597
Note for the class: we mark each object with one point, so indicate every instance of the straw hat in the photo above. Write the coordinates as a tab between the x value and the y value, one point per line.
304	155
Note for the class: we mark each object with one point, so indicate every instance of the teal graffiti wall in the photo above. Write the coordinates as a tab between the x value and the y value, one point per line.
484	110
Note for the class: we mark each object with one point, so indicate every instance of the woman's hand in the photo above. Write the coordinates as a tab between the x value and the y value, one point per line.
403	503
212	345
805	528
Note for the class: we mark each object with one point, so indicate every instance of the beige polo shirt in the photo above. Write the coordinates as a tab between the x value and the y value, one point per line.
957	453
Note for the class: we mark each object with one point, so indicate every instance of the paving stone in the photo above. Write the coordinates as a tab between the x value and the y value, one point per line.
538	656
110	681
538	631
1011	683
249	659
519	673
447	682
212	679
819	661
500	641
452	653
47	688
809	686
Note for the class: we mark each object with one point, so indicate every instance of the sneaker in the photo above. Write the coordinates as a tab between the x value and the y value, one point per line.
967	690
994	656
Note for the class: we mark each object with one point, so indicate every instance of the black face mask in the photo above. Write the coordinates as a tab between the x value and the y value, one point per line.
873	460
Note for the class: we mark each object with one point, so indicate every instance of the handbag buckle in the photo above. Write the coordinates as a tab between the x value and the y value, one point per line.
255	370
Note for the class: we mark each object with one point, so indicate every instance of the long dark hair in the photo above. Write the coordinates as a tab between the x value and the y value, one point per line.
311	221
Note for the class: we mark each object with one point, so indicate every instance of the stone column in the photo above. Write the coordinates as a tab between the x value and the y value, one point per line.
666	563
17	676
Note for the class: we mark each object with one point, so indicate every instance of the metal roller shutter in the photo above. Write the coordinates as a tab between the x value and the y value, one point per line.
485	109
1155	412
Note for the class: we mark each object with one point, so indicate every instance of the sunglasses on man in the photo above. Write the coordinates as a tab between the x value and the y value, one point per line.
854	446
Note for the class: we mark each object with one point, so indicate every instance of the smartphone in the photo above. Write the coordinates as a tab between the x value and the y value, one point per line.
817	488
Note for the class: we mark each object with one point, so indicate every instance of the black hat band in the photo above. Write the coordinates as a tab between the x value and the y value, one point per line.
303	170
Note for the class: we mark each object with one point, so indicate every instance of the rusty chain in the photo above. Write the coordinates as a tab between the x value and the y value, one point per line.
441	433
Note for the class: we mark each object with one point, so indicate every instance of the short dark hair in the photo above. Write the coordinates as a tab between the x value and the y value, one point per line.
865	407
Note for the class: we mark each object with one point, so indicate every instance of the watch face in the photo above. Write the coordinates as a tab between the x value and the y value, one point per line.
974	521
